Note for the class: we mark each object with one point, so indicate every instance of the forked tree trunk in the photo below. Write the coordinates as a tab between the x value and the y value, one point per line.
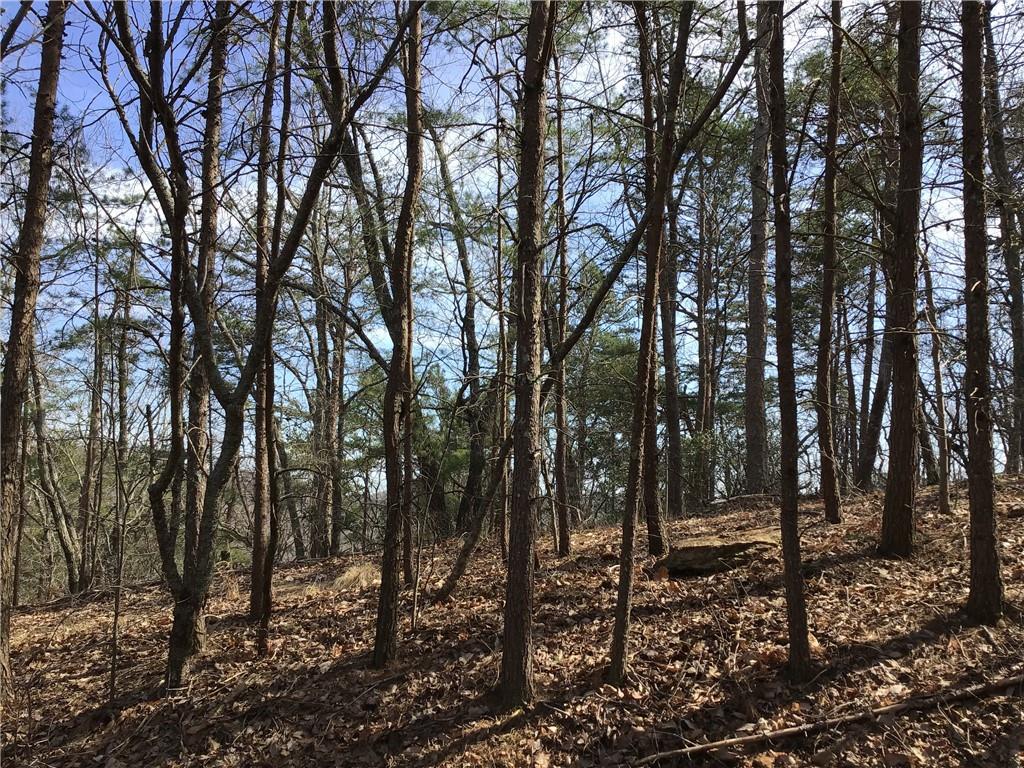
985	600
398	391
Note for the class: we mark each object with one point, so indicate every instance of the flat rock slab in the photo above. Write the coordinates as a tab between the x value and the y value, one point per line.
710	554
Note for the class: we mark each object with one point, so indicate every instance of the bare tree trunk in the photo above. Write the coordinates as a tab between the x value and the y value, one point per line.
122	501
872	433
656	539
673	421
867	369
501	488
824	383
796	605
399	384
985	600
263	499
469	504
897	535
90	467
941	433
14	386
339	366
288	493
1009	235
929	464
516	682
22	514
63	524
561	421
755	421
701	480
664	168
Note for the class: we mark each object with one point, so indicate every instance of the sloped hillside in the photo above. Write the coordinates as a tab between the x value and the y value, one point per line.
707	658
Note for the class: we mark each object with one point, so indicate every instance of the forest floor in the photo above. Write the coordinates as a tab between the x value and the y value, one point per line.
708	659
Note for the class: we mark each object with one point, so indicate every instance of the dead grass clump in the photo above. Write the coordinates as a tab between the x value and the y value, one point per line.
357	577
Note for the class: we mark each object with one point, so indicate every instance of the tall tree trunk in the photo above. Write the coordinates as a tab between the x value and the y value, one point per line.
648	389
1009	235
701	481
263	423
824	383
796	605
203	481
87	509
673	421
664	168
398	390
656	539
469	504
867	369
172	189
872	434
755	421
941	433
561	419
502	373
985	600
852	410
14	386
897	535
516	682
288	493
929	464
22	514
338	373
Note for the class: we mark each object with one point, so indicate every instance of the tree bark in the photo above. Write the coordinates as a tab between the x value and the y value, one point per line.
897	535
398	391
1009	235
14	386
664	169
824	383
561	420
985	599
516	682
941	432
796	606
755	421
263	500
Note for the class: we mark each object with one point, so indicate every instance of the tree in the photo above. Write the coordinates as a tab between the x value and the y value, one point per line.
754	417
516	683
897	536
985	600
796	605
1011	222
172	185
662	169
397	310
14	387
824	384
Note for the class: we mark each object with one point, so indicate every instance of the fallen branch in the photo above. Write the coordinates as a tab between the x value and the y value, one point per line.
807	729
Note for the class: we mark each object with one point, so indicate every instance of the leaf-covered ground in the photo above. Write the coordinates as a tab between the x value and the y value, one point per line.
707	659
